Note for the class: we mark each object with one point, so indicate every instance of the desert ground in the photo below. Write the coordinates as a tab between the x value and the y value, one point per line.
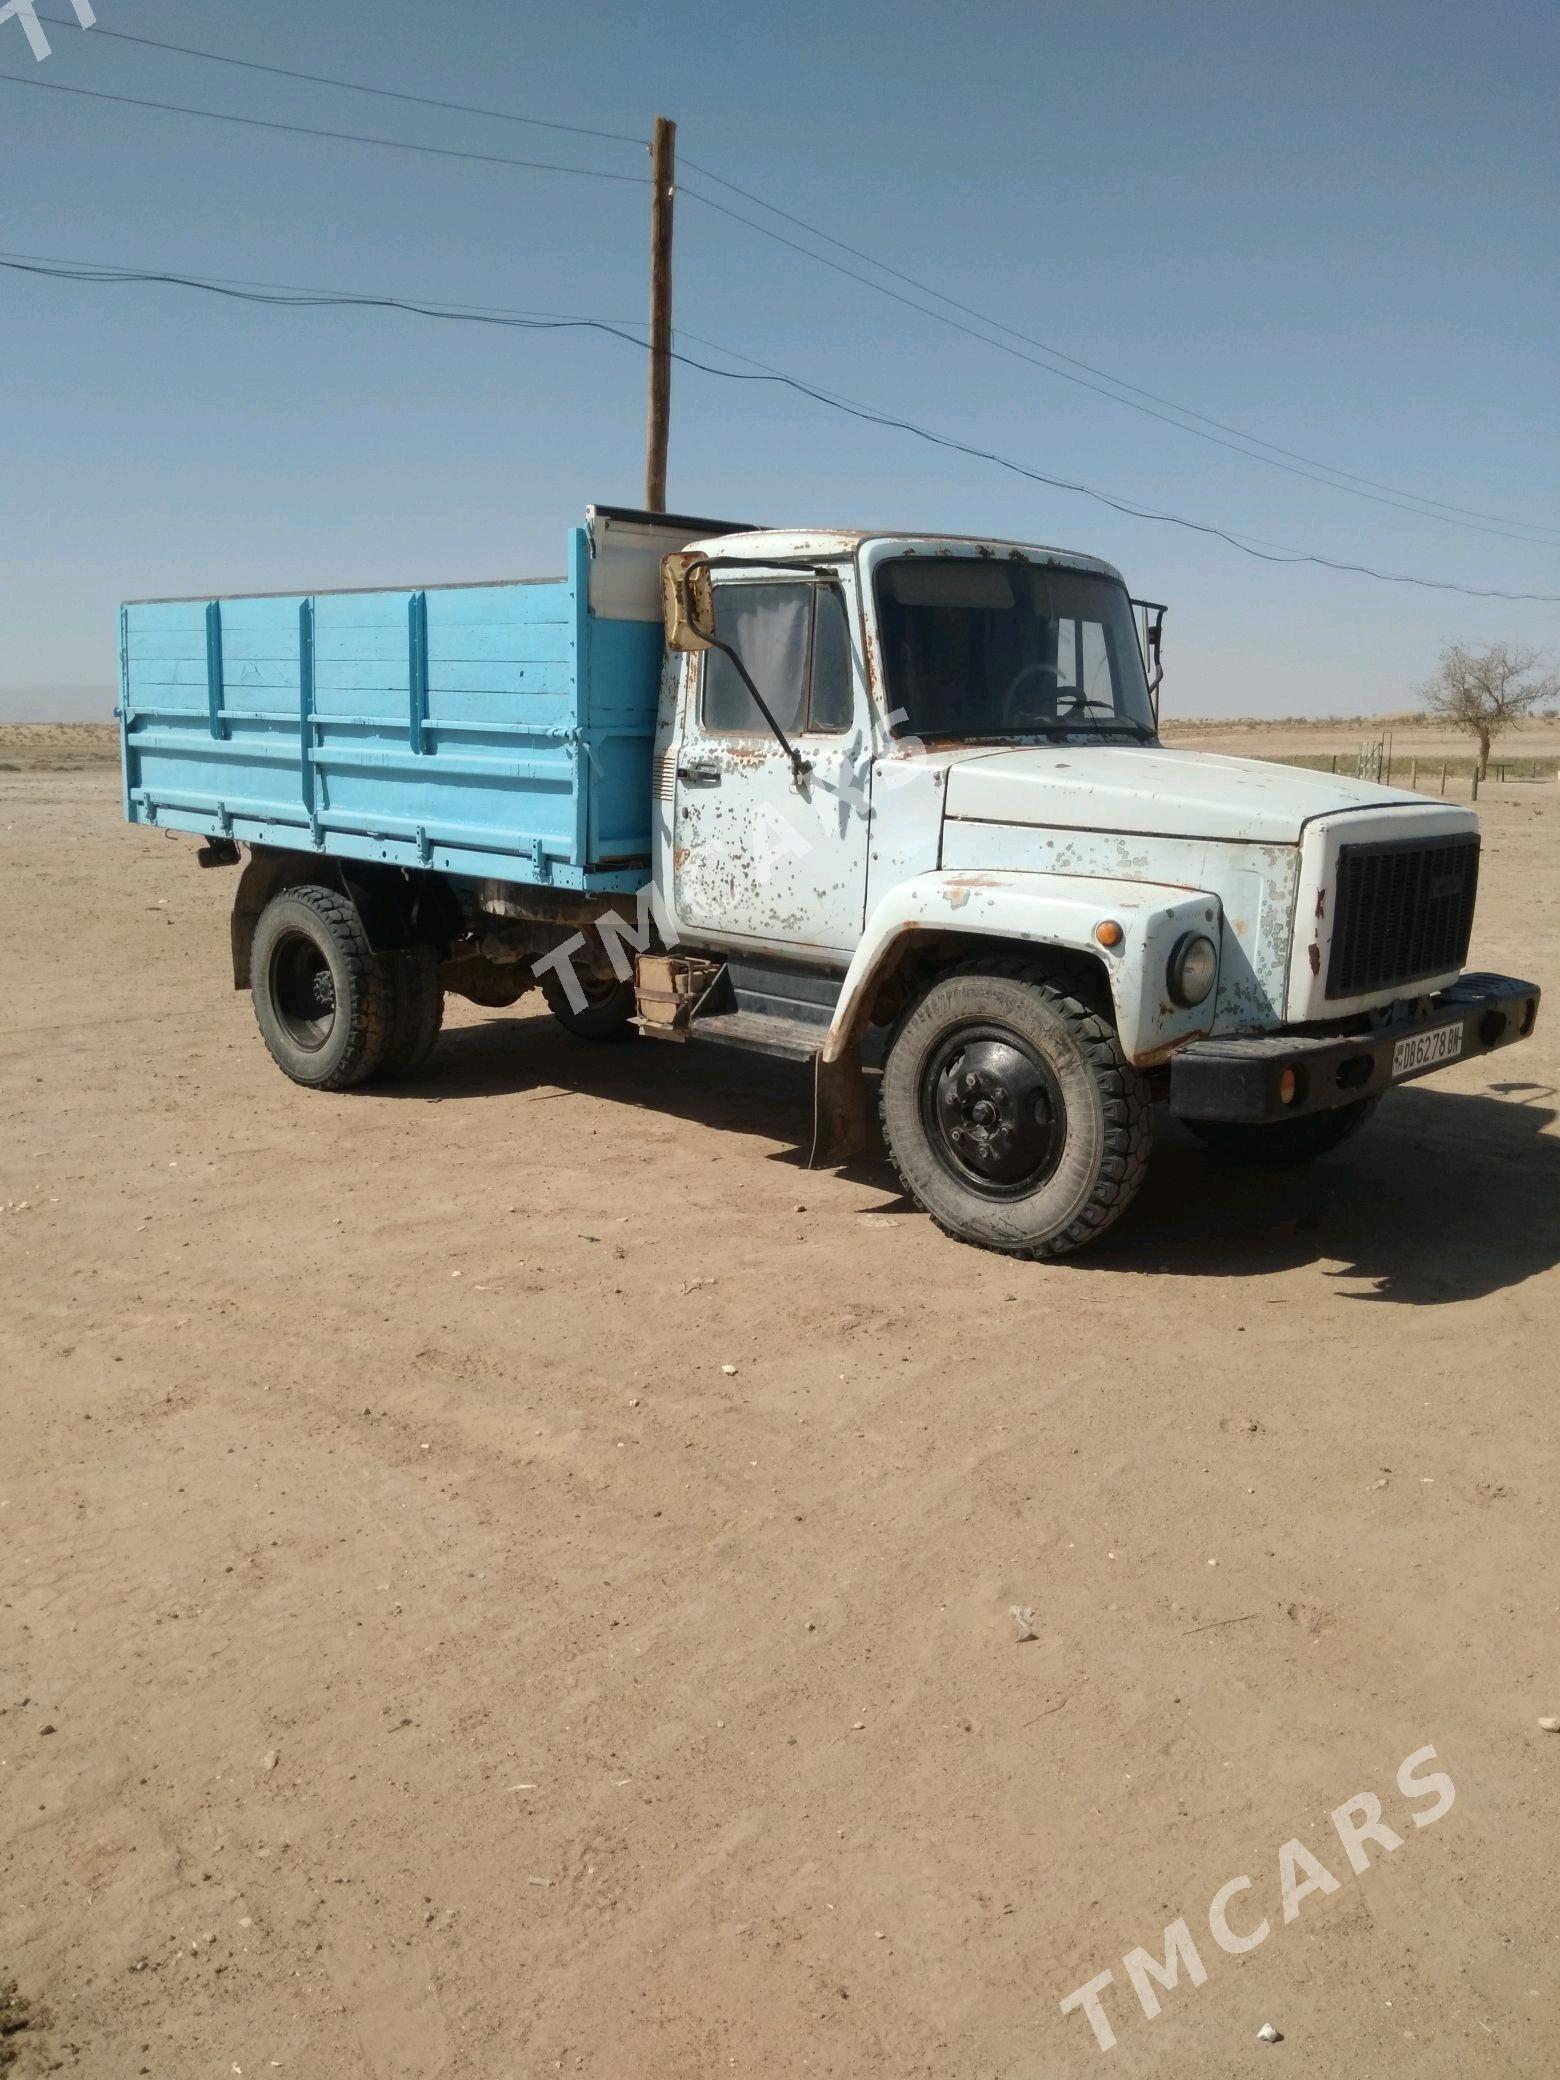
509	1575
57	747
1419	748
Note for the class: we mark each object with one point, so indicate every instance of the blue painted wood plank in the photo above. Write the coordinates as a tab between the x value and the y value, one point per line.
500	683
162	643
276	618
188	615
171	672
509	604
524	642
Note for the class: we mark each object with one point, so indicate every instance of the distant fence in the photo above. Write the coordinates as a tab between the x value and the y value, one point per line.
1421	774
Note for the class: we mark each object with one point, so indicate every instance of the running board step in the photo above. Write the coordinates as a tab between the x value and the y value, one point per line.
760	1032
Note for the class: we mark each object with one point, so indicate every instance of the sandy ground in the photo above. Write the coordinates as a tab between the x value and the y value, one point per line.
1533	743
57	747
1536	736
420	1657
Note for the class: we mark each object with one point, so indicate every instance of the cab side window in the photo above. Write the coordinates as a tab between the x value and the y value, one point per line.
831	702
795	641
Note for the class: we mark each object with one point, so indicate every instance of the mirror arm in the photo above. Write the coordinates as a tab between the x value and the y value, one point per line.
800	766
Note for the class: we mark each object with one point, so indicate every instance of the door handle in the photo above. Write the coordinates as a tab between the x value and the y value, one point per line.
699	772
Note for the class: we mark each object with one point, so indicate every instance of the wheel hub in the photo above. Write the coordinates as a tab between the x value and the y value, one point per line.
303	990
995	1111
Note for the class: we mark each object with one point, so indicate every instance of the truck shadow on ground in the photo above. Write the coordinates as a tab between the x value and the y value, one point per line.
1444	1196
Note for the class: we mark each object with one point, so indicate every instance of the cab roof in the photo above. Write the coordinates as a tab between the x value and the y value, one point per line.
800	545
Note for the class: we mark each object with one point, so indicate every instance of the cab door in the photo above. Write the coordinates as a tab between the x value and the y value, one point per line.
758	856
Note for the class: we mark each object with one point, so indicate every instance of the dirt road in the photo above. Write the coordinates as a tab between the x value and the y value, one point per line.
421	1656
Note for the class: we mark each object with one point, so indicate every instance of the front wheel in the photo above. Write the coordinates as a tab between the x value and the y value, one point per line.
1284	1141
1011	1114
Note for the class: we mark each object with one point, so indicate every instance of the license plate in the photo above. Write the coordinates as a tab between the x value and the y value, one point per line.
1425	1050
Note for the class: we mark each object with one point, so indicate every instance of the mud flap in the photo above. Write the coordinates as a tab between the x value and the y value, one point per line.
839	1111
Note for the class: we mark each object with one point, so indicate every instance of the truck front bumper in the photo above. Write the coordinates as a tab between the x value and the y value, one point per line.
1245	1080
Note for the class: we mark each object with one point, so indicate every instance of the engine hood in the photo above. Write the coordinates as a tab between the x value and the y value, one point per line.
1151	790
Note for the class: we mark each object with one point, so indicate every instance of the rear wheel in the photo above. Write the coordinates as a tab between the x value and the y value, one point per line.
1011	1114
418	1014
608	1007
1285	1141
323	998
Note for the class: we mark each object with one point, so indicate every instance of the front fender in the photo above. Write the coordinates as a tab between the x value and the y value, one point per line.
1040	910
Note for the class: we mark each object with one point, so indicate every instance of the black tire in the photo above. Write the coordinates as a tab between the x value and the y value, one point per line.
1286	1141
1047	1145
323	998
609	1005
418	1012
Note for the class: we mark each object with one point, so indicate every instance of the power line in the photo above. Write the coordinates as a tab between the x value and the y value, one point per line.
394	144
320	79
1045	347
1002	347
1240	442
332	299
111	269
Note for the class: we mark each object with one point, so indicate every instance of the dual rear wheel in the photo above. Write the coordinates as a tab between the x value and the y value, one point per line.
332	1012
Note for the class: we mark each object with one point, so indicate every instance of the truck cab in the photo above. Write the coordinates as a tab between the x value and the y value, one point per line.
914	784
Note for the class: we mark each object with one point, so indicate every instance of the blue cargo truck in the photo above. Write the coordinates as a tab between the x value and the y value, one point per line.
827	796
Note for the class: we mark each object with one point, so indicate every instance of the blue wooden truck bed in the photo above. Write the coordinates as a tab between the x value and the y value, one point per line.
498	730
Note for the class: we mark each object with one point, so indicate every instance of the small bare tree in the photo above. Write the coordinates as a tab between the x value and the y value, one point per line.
1483	692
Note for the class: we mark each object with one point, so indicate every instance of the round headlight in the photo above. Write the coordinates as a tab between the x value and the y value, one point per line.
1194	967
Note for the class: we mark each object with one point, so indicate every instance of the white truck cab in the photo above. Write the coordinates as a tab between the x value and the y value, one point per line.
915	783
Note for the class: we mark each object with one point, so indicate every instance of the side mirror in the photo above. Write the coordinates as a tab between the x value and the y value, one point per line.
1153	646
687	602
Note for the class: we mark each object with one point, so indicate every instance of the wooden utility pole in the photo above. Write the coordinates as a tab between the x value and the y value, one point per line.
663	183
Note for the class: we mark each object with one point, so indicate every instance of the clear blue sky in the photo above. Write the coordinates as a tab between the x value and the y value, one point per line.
1332	225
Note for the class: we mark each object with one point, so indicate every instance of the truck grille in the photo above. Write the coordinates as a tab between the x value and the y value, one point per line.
1401	910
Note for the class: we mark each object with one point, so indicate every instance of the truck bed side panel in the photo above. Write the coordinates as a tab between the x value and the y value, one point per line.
489	729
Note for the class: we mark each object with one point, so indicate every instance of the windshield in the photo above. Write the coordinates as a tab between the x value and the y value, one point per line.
975	648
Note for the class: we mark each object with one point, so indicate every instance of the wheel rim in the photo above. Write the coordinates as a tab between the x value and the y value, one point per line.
303	991
993	1112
